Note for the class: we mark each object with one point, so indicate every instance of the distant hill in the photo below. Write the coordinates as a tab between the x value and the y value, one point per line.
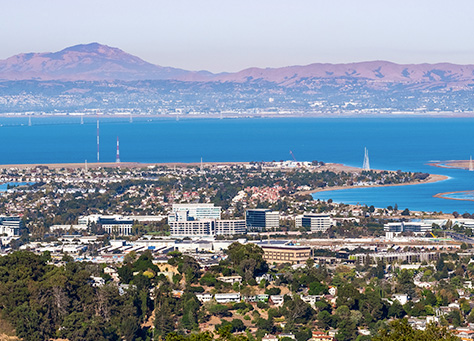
90	62
375	74
96	62
99	77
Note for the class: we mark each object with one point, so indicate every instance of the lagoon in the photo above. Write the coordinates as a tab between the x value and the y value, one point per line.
405	143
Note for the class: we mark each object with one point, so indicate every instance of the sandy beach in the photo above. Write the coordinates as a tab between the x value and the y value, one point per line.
458	164
432	178
444	194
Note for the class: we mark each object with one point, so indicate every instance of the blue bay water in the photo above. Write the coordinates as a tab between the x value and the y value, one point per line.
404	143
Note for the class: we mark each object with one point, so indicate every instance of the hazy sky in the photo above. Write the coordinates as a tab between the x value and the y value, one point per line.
227	35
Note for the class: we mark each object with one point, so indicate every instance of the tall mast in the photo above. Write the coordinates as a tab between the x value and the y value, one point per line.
98	142
117	160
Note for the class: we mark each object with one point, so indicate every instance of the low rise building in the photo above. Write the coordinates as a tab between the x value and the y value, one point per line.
230	279
227	297
204	297
394	257
277	300
292	254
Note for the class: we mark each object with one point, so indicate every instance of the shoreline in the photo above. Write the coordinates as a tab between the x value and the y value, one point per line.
92	165
335	167
442	196
233	114
451	164
431	179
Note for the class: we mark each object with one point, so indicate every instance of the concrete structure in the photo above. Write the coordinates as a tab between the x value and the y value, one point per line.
317	222
285	253
10	226
258	219
186	212
394	229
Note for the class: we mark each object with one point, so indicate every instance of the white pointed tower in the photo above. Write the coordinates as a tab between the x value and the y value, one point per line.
366	164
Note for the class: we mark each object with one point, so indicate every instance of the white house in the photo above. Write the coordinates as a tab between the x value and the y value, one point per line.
230	279
402	298
227	297
277	299
204	297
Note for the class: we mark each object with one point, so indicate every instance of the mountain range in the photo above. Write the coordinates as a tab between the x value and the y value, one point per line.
96	62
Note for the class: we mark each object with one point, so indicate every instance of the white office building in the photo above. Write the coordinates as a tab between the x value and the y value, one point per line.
230	227
183	212
117	226
394	229
206	228
200	228
10	226
317	222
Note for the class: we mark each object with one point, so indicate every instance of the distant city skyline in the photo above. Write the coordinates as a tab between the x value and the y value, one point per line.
230	36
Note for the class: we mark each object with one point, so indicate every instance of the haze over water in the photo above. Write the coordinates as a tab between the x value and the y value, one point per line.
393	143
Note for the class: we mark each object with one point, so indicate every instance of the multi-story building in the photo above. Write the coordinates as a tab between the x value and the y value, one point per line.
286	253
185	212
230	227
317	222
206	228
118	226
393	229
10	226
258	219
201	220
192	228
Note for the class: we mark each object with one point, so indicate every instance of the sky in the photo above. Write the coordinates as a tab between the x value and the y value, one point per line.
228	35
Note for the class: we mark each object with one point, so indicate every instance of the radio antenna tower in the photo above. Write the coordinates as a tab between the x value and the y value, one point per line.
470	164
366	165
117	159
98	144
